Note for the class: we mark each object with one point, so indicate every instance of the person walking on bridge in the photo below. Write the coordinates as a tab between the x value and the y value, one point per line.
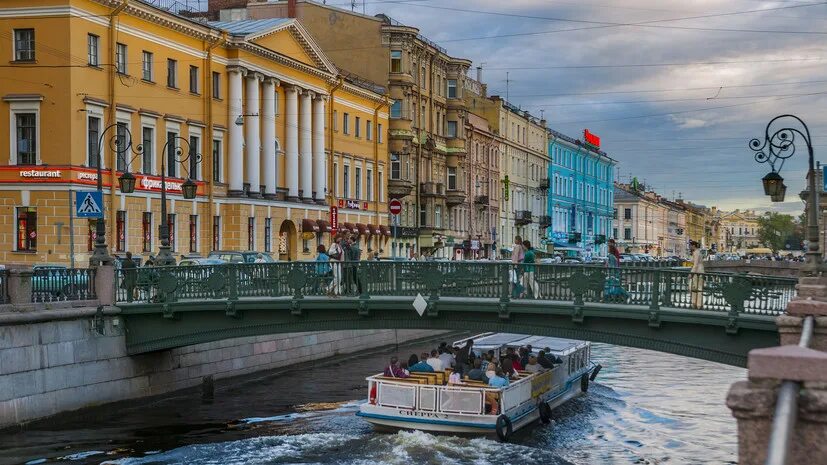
336	255
696	277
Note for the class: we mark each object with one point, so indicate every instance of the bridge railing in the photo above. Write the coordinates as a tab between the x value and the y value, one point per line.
640	286
63	284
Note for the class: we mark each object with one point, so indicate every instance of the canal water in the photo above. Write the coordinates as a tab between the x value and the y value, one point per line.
645	408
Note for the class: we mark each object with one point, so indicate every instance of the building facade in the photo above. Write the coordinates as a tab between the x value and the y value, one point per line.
253	111
737	231
640	220
483	175
581	196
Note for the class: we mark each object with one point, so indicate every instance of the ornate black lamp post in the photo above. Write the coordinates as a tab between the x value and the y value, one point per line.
779	145
121	143
189	189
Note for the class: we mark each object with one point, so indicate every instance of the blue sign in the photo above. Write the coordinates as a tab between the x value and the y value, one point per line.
89	204
824	178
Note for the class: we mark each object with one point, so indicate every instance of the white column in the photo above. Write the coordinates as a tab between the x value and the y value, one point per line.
268	135
235	155
319	164
291	141
305	147
252	133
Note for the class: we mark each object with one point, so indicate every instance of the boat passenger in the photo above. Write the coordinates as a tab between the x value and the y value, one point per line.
491	371
434	361
507	367
515	361
477	373
393	370
462	361
455	378
447	358
499	380
532	366
415	365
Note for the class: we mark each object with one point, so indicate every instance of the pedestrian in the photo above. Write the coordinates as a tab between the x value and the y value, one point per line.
612	290
336	255
323	270
529	278
516	274
150	261
696	277
130	276
462	361
355	256
259	259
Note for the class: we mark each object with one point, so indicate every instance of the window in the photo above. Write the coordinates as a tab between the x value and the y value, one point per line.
335	120
251	233
146	66
92	234
24	44
423	80
172	71
216	85
346	123
195	142
452	178
120	230
452	129
120	58
379	133
614	233
193	233
216	160
171	226
147	141
369	130
93	49
396	167
369	185
26	229
93	135
452	88
268	241
146	231
379	179
396	109
627	213
172	164
346	182
121	154
627	234
335	179
614	214
438	216
396	61
358	127
423	216
194	79
358	183
216	232
26	138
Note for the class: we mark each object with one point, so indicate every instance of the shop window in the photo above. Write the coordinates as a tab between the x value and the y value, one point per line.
251	233
146	232
193	233
216	233
171	225
268	240
91	235
120	230
26	229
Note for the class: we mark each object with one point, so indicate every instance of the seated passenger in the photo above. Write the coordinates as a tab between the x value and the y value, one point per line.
434	361
507	367
417	365
524	354
515	362
446	355
491	371
548	362
455	378
499	380
393	370
477	373
486	359
532	366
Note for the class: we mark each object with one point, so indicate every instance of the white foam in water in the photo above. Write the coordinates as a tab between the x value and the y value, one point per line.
81	455
287	417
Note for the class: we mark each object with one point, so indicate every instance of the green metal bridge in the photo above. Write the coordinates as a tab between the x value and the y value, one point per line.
172	307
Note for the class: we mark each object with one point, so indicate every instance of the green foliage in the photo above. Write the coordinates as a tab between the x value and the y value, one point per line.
774	229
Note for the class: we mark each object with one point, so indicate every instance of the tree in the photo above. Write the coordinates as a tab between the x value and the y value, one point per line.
774	229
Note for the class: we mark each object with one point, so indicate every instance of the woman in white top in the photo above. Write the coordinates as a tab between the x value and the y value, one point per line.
696	277
336	254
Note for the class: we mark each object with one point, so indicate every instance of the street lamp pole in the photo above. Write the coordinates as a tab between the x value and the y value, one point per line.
121	144
779	145
188	189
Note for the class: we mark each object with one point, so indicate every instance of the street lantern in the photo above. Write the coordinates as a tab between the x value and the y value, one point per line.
189	189
773	183
779	194
127	181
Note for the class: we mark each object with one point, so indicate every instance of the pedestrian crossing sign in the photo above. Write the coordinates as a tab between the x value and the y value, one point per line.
89	204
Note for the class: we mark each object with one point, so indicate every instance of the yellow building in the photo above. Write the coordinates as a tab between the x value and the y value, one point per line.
280	134
737	231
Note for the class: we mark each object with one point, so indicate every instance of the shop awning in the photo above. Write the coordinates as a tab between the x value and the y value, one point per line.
324	226
350	227
363	229
374	230
385	230
309	225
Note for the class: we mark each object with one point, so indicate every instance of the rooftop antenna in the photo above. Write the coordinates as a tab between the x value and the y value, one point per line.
353	5
542	114
507	82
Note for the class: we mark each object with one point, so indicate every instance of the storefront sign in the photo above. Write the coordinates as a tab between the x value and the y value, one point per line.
591	139
155	184
408	232
353	204
334	219
41	174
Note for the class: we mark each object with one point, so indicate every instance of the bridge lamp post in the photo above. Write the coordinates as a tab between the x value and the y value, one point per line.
779	145
189	188
121	144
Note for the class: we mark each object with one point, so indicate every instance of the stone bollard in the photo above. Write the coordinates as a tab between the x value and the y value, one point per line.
20	287
105	283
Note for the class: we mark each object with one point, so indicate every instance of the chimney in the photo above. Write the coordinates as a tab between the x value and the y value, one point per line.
479	74
291	8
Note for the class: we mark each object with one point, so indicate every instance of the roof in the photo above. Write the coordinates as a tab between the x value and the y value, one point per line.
497	340
249	26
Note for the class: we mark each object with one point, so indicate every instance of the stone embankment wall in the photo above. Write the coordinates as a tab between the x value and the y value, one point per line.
49	367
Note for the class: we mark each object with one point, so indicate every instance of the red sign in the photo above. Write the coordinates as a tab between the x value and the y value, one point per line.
591	139
334	219
395	207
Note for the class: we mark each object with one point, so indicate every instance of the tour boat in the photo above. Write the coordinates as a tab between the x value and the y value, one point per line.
425	402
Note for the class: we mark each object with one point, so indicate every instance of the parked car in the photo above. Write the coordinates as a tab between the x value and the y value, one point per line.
57	280
201	261
628	258
249	256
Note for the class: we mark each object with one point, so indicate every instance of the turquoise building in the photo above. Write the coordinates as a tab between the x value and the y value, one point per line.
581	195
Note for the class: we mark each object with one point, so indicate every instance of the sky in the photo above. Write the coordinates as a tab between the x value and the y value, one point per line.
674	89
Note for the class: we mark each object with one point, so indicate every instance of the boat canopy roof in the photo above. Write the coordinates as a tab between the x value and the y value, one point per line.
493	341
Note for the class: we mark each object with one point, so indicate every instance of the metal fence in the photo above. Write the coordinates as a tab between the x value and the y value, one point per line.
639	286
62	284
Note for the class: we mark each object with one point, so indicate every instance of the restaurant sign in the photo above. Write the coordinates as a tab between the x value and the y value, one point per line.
353	204
592	140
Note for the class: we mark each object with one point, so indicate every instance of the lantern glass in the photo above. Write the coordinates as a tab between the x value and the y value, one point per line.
779	196
127	182
189	189
773	183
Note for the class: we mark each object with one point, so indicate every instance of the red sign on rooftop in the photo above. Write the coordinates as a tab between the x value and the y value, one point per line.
591	139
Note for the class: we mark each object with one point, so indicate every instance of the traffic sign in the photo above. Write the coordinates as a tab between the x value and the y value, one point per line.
395	207
89	204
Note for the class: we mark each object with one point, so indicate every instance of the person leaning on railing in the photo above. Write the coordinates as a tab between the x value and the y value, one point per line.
130	277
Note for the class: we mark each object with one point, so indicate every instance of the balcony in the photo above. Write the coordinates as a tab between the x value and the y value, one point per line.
481	200
544	221
432	189
544	183
522	217
398	188
454	197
